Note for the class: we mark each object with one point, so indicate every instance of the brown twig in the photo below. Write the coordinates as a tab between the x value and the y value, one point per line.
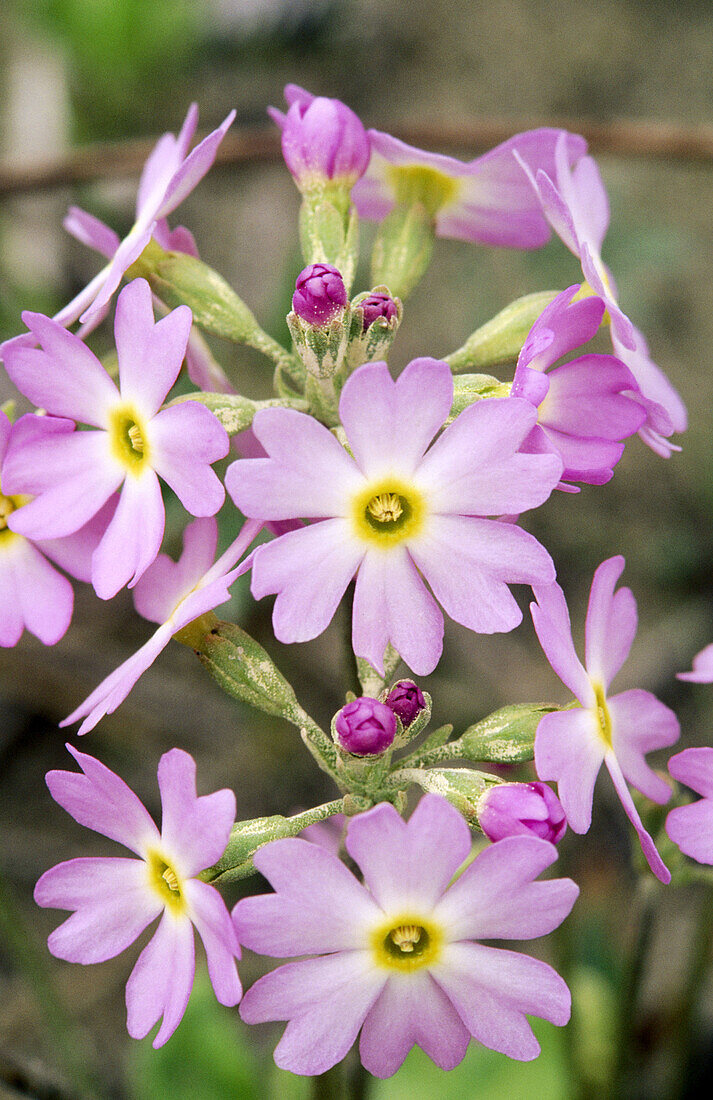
652	139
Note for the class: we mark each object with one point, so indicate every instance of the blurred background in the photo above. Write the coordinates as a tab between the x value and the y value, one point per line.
85	72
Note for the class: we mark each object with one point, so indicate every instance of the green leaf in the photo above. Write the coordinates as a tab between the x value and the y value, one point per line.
507	736
500	339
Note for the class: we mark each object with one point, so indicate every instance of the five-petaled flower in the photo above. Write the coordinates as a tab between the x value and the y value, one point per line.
115	899
397	513
396	957
71	474
617	730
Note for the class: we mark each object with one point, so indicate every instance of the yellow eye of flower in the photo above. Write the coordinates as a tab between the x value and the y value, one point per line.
407	943
388	512
165	881
128	437
602	716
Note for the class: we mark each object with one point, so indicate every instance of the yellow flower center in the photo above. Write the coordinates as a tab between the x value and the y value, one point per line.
602	716
8	505
388	512
414	183
165	882
128	438
406	943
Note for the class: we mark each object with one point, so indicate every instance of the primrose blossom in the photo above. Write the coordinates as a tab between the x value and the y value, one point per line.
396	513
583	409
615	730
691	826
575	203
71	474
397	957
173	594
114	899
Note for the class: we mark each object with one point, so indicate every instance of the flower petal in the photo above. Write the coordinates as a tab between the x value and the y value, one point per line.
691	828
91	231
641	723
469	562
318	906
611	622
150	354
102	801
497	896
694	767
166	581
161	982
309	569
702	672
392	604
132	539
215	928
568	751
648	847
390	424
112	902
325	999
194	830
33	593
551	620
493	989
409	865
185	440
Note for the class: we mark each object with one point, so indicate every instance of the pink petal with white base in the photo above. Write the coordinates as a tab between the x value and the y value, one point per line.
492	990
185	440
387	423
568	751
310	570
150	353
102	801
161	982
111	903
195	831
409	864
133	538
213	924
392	604
326	1000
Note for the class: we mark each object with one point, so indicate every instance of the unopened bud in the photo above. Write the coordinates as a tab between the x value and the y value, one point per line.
365	727
322	140
378	304
519	809
406	700
320	294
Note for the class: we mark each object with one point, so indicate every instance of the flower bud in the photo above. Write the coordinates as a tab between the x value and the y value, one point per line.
323	140
406	700
320	294
516	809
378	304
365	727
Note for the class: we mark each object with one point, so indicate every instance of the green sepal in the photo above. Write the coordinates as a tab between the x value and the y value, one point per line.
8	407
246	671
507	736
321	348
246	837
375	343
372	682
403	249
469	388
405	735
180	279
463	787
500	339
235	412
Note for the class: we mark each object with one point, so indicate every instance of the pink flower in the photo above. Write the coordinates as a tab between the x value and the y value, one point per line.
702	671
169	175
583	411
575	203
72	474
396	957
174	594
691	826
33	595
486	200
396	513
323	141
521	809
616	730
113	900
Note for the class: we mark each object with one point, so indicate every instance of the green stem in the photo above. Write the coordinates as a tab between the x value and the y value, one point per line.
453	750
282	358
630	989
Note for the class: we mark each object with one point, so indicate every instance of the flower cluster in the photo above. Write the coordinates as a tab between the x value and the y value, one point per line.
411	490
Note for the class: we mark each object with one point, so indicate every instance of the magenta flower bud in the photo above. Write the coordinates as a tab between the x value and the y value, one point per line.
322	139
365	727
516	809
320	294
406	700
378	305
